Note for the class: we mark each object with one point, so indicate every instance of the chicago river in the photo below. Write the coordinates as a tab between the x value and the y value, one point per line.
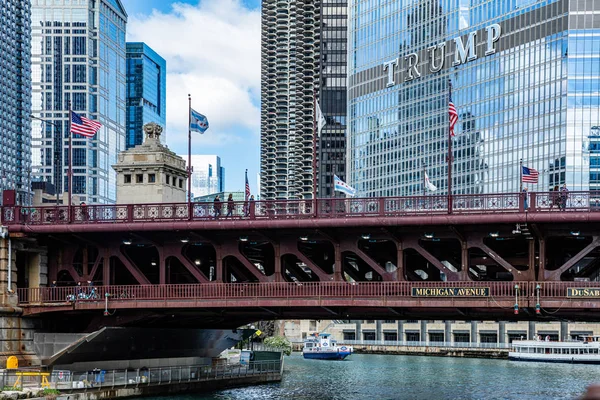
368	376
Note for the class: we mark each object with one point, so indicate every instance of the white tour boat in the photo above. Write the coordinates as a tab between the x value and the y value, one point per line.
586	350
322	347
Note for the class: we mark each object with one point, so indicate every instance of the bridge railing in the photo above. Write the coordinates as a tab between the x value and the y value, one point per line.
278	290
300	209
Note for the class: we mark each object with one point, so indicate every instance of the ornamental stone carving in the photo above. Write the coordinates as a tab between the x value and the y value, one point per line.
153	130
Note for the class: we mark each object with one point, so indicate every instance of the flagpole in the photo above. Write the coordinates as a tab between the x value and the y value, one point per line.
424	181
521	175
189	168
449	153
70	170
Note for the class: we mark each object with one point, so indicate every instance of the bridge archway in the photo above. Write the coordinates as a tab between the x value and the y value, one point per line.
357	269
146	258
235	271
294	270
320	252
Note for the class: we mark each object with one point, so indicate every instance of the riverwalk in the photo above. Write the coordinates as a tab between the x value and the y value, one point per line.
90	385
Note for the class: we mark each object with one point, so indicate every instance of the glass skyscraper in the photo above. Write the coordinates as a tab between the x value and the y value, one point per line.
525	78
146	91
15	98
78	57
208	175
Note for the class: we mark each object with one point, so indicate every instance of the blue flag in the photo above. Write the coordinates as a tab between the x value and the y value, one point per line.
199	122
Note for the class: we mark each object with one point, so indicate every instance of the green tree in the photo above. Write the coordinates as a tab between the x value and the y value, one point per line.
279	343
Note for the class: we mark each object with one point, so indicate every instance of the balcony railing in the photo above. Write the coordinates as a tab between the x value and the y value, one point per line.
304	209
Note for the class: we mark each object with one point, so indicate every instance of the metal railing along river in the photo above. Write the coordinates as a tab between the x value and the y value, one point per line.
65	380
456	345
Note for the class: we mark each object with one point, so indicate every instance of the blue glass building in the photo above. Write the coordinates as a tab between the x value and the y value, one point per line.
15	97
78	56
146	91
525	77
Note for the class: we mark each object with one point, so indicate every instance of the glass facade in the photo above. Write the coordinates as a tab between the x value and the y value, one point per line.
15	98
78	57
332	95
208	175
146	91
525	77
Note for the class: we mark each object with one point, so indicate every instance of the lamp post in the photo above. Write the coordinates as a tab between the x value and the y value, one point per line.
56	153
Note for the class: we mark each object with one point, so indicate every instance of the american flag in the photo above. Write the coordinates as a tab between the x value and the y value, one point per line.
530	175
83	126
247	187
453	115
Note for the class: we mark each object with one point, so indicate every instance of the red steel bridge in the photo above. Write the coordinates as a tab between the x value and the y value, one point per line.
329	258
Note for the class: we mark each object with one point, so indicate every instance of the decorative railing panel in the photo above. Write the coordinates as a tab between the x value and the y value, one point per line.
304	209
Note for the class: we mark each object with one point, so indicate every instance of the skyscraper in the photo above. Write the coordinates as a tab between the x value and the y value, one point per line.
524	76
208	176
146	91
15	98
289	85
332	96
78	57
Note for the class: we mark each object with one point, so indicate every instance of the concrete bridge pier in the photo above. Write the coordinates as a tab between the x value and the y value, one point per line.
16	333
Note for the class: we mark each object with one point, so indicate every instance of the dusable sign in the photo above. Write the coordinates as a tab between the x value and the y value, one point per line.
463	54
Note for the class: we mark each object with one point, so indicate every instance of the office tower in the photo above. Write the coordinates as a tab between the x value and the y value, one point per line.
208	176
292	55
146	91
79	59
524	81
332	96
15	98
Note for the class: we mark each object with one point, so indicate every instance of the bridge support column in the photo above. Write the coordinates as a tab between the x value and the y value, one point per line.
531	330
464	261
378	335
447	331
359	330
218	264
564	330
277	263
542	260
337	266
8	294
423	330
400	334
105	268
501	331
400	273
473	331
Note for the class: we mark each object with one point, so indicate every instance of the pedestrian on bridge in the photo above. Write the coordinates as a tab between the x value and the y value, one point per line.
230	205
217	207
564	194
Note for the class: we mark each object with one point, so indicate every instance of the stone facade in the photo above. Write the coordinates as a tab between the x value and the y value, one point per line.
150	172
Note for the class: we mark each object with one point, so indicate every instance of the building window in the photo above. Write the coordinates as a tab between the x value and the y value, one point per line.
181	183
168	179
139	178
368	335
349	335
151	178
413	337
436	337
488	337
462	338
127	178
390	336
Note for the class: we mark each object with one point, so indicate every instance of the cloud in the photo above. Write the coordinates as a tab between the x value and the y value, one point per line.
212	51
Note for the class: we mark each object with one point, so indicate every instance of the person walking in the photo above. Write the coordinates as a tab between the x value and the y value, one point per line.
525	199
251	206
564	195
230	205
554	197
217	207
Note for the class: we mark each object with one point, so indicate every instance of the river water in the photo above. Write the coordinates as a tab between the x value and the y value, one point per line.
366	376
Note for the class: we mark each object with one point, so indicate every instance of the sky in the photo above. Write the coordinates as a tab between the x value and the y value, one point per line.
212	49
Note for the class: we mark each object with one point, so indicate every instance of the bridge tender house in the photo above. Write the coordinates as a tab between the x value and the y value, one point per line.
451	292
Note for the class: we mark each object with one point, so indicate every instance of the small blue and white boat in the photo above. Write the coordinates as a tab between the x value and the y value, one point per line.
320	346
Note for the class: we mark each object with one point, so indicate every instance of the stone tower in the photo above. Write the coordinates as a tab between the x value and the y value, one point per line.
150	172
